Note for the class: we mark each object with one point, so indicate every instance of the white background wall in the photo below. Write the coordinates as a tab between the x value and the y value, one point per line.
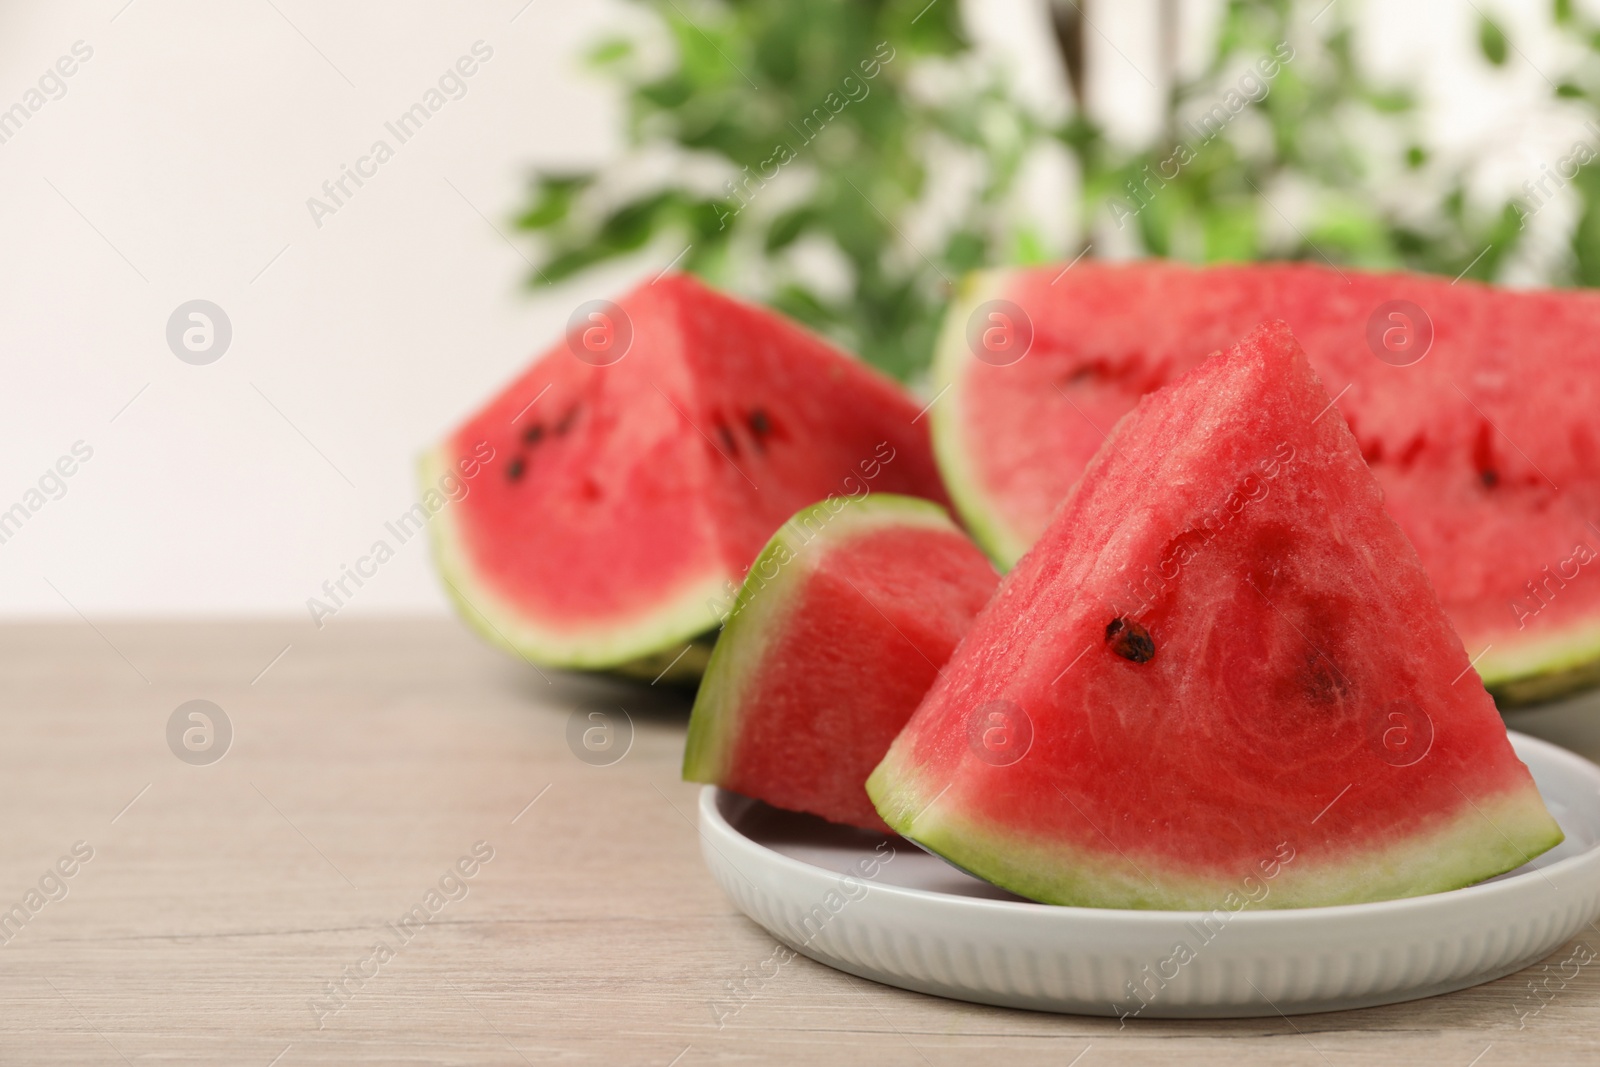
177	166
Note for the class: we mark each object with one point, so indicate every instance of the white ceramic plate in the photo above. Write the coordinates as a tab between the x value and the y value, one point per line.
913	921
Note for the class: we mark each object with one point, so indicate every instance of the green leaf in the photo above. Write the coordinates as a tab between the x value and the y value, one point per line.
609	51
1586	236
788	227
1492	41
574	261
1231	232
1028	248
965	251
552	200
631	226
1392	101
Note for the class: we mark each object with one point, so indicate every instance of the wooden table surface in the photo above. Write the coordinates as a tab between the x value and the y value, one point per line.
223	900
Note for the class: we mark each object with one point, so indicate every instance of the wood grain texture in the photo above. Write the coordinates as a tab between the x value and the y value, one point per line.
367	760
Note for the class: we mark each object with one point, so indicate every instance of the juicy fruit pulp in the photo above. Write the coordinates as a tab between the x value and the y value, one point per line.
1485	446
841	626
1243	680
639	465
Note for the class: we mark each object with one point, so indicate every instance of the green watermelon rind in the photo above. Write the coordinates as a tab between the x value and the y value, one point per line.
951	357
762	604
677	621
672	666
1543	670
1533	672
1486	837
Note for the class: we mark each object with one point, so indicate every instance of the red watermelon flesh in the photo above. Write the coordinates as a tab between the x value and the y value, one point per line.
1486	447
629	489
1244	675
842	625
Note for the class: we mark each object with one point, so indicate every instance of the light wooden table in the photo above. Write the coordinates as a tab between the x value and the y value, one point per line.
365	762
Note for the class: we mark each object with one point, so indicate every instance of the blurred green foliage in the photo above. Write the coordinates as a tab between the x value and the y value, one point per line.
827	82
778	143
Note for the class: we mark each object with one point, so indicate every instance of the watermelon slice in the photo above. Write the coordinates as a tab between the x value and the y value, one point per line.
1473	405
638	466
1242	680
842	625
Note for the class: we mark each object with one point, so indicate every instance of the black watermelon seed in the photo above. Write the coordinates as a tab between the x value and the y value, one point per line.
729	445
1483	455
760	427
567	420
514	469
533	434
1130	640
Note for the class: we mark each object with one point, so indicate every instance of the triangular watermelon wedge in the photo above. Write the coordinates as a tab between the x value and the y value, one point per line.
1221	668
840	628
612	496
1474	407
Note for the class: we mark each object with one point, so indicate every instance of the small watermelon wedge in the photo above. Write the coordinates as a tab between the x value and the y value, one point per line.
1244	676
630	475
842	625
1473	405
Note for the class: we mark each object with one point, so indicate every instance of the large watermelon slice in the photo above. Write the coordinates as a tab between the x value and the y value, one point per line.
842	625
1243	679
640	464
1486	445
